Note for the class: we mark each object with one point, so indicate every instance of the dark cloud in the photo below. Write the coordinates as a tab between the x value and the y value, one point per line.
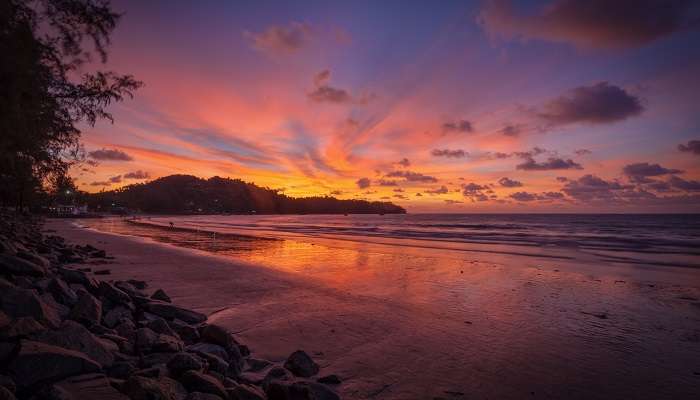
527	196
363	183
329	94
682	184
412	176
404	162
387	182
116	179
110	155
336	192
398	190
639	172
419	195
323	77
475	192
512	130
562	179
101	183
450	201
461	126
441	190
449	153
590	23
590	188
582	152
597	104
692	146
400	196
281	39
137	175
552	163
510	183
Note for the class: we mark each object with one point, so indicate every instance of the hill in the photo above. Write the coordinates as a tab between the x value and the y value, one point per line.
186	194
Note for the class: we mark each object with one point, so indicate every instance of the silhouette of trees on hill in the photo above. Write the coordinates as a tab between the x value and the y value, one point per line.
186	194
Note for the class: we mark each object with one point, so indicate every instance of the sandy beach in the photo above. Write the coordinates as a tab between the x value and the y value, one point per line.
504	327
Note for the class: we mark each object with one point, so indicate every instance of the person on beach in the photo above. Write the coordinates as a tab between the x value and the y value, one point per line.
172	225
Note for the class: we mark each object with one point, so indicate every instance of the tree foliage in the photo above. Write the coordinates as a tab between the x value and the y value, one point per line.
186	194
46	91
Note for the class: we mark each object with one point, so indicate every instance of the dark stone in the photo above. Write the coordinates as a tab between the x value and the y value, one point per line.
8	383
161	295
20	328
209	348
163	388
87	310
152	372
129	289
276	374
102	272
216	363
25	303
81	278
123	344
183	362
34	259
255	364
245	392
73	336
108	291
170	311
12	265
329	379
196	381
300	364
88	387
62	292
152	359
141	285
217	335
98	254
145	338
159	325
188	333
7	351
6	394
167	344
40	362
283	390
126	328
121	370
116	315
202	396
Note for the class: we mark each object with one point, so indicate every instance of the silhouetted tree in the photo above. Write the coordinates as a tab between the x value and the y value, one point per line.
44	91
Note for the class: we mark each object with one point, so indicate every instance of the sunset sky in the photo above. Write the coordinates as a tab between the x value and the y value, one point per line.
448	106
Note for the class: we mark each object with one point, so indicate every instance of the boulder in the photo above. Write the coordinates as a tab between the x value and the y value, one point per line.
245	392
216	363
160	295
140	285
7	351
196	381
39	362
163	388
285	390
115	295
331	379
121	370
34	259
170	311
73	336
6	394
202	396
209	348
300	364
102	272
126	328
8	383
159	325
25	303
88	310
256	364
129	289
183	362
217	335
89	387
81	278
152	359
20	328
62	292
12	265
188	333
145	338
116	315
167	344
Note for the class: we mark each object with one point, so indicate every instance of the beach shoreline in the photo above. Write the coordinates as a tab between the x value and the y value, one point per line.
389	347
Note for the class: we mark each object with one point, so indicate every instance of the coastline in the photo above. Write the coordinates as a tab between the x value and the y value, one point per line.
391	348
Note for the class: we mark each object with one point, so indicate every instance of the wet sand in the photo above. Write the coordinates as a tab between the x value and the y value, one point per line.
436	324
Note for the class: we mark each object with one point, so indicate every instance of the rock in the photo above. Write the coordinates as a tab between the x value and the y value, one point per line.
329	379
40	362
87	310
167	344
7	351
5	394
216	363
188	333
25	303
8	383
202	396
126	328
159	325
209	348
276	374
62	292
152	372
116	315
89	387
141	285
102	272
217	335
183	362
61	310
98	254
34	259
152	359
163	388
300	364
73	336
281	390
245	392
170	311
196	381
115	295
129	289
12	265
255	364
123	344
160	295
79	277
121	370
145	338
20	328
6	246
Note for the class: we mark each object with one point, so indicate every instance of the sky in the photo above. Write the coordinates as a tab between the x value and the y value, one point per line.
449	106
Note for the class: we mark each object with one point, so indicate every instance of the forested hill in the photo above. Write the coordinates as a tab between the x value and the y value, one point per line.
186	194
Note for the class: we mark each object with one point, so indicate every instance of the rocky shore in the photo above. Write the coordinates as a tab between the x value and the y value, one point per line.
69	332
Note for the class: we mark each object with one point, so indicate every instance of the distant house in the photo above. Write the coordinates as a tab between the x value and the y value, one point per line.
68	210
